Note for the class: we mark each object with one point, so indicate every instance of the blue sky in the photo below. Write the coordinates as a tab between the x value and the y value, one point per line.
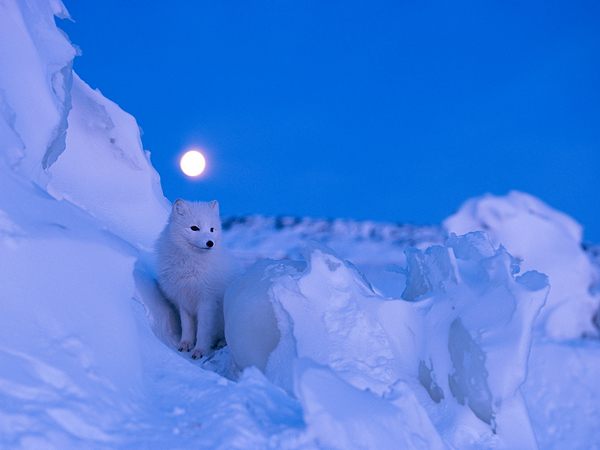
393	111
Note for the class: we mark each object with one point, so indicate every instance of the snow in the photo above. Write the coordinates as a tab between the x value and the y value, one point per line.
463	333
543	233
134	208
35	78
341	416
341	334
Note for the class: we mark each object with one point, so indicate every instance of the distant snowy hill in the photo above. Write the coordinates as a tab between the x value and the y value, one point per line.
479	333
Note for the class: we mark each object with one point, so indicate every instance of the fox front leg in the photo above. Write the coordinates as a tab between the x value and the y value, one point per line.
209	328
188	332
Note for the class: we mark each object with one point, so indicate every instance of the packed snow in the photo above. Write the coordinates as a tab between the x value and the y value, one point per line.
543	232
461	333
480	333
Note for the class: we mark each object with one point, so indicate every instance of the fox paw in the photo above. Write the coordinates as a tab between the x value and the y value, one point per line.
197	354
185	346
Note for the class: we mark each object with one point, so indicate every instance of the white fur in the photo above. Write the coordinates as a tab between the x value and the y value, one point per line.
193	275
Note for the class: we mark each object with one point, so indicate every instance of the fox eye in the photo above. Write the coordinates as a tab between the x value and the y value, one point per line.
195	228
212	230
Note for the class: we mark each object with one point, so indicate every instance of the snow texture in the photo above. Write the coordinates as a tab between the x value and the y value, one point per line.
543	233
134	208
423	341
462	331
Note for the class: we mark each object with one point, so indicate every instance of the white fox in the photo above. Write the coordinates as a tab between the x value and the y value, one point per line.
194	269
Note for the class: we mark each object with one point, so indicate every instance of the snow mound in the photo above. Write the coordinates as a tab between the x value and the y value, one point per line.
535	234
41	98
35	85
339	416
103	144
457	342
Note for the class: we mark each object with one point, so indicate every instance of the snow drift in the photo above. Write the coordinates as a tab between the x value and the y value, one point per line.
134	208
535	233
462	332
35	81
417	357
41	97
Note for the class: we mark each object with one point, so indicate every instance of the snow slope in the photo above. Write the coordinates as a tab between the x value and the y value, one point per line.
362	354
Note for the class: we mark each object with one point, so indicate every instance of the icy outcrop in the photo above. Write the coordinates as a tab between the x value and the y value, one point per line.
459	338
67	138
35	82
535	234
103	144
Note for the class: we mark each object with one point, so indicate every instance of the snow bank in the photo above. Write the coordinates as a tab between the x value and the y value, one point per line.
340	416
455	347
68	339
35	83
41	98
103	145
70	372
542	239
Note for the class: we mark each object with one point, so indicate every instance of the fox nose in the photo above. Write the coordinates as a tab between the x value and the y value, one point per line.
209	244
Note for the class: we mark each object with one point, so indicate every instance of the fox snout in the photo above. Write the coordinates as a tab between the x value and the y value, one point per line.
209	244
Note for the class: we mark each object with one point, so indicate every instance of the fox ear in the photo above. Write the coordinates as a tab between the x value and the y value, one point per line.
180	207
214	205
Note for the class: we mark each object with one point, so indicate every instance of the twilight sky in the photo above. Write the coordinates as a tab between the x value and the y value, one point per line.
393	111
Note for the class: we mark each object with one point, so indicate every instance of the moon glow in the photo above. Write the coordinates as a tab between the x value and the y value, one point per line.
192	163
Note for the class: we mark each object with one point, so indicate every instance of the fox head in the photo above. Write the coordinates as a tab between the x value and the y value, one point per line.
196	225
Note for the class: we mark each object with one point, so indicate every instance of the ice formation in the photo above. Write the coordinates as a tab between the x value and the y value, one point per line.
457	341
534	233
41	97
103	144
35	85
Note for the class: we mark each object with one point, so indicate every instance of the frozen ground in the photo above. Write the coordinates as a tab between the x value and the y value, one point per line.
373	336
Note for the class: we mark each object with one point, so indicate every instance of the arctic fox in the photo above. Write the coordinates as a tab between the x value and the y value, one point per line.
194	269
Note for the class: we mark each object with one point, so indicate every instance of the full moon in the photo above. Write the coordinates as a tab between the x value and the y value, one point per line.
192	163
